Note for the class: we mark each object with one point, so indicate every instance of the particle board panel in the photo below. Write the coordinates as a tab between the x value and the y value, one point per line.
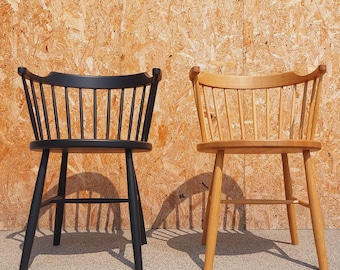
120	37
297	35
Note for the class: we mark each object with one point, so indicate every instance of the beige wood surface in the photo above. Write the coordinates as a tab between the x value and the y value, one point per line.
119	37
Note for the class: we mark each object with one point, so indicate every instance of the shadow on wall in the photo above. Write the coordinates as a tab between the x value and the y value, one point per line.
113	240
107	217
91	185
86	184
234	240
200	185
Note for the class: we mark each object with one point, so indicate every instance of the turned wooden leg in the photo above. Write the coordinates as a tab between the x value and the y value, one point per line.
315	211
206	218
214	211
290	207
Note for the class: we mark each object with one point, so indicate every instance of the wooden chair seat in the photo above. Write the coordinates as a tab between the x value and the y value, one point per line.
259	146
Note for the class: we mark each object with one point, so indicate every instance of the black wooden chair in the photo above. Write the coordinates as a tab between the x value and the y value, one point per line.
88	114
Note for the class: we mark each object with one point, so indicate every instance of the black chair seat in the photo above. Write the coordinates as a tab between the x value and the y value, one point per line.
90	146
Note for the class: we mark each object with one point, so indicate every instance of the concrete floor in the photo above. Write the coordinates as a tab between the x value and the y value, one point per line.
169	249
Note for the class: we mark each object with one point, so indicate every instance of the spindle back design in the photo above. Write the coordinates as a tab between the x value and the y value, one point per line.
72	107
274	107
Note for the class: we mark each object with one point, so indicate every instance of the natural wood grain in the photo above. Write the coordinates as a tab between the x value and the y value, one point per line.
286	106
258	146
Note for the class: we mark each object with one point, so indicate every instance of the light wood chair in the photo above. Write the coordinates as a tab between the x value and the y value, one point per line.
273	114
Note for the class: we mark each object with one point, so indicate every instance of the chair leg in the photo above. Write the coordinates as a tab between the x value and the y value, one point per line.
289	194
315	211
206	217
141	216
59	213
134	212
214	211
34	212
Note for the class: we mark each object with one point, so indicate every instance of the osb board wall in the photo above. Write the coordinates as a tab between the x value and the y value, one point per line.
118	37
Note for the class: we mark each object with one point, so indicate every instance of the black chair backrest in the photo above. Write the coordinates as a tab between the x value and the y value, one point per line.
67	106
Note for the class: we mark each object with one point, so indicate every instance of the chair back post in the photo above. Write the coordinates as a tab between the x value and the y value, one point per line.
322	70
193	75
157	76
29	104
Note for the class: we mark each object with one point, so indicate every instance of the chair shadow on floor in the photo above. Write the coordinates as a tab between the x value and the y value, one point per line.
100	229
232	239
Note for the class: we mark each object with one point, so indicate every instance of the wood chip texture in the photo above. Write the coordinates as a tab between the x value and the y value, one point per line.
125	36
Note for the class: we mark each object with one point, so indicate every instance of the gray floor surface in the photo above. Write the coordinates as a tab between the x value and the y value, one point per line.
169	249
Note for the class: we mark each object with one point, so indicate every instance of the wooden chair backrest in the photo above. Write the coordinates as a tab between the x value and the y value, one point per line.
268	107
67	106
